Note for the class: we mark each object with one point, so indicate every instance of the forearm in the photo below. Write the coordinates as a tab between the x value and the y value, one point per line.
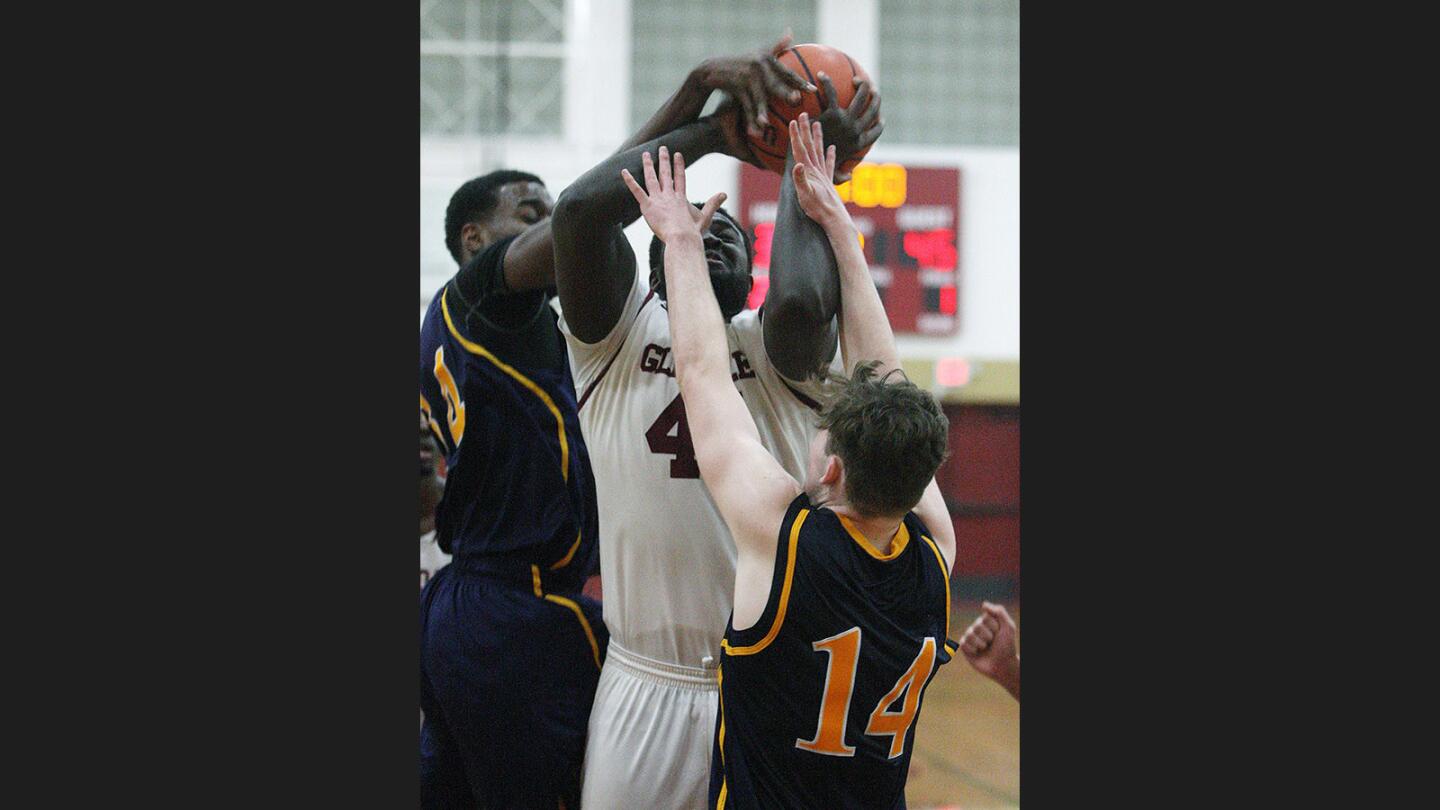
1008	676
804	294
530	259
697	329
598	198
865	332
682	107
594	265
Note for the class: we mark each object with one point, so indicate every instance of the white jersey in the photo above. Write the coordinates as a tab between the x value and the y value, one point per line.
432	559
666	558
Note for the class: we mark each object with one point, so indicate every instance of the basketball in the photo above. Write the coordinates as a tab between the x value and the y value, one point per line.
809	61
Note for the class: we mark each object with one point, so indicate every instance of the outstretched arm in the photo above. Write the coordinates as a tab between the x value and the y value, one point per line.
594	264
804	295
530	259
750	488
865	332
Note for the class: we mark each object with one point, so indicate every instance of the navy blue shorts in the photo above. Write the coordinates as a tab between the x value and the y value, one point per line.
507	678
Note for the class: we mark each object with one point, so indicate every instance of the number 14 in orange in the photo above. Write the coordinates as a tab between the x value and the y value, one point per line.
844	651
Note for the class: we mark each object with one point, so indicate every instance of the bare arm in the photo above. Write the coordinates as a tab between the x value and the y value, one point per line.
804	296
530	260
750	488
594	264
865	332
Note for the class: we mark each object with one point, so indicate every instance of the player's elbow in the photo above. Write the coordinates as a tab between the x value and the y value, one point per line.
569	207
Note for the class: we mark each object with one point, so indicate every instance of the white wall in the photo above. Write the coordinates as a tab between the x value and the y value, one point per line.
597	99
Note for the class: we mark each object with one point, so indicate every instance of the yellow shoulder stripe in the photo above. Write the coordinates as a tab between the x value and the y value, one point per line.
476	348
784	593
946	572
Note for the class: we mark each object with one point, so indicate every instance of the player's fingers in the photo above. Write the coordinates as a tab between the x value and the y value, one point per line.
797	144
870	116
747	107
827	92
652	183
680	174
870	135
997	611
759	94
784	42
802	147
970	647
782	82
984	634
665	181
862	98
797	174
990	623
817	141
635	190
708	210
830	164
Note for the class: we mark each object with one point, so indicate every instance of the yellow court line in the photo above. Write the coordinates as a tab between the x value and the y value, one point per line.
784	594
476	348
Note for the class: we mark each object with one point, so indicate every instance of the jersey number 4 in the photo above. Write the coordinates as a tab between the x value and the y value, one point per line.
844	651
679	445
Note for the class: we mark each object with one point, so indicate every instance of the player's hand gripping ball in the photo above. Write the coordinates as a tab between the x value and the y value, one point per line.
844	101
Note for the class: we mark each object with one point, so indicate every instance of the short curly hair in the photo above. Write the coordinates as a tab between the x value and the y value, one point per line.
475	200
891	436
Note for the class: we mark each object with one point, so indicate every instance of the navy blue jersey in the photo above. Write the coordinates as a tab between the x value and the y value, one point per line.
496	390
818	700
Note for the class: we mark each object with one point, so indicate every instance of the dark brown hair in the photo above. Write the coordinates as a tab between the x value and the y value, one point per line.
891	436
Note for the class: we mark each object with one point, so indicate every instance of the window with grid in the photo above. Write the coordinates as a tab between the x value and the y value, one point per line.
492	67
669	37
950	71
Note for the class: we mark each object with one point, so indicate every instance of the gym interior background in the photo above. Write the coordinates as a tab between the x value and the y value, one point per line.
553	86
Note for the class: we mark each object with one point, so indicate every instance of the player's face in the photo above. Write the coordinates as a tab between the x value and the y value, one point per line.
518	205
727	261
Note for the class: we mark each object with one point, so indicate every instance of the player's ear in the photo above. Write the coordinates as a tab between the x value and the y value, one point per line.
834	472
473	236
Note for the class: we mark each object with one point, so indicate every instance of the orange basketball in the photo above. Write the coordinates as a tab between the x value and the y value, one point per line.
808	61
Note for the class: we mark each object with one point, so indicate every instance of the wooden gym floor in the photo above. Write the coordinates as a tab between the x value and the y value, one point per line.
967	742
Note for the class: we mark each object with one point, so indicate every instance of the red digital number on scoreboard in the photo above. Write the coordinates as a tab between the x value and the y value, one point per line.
909	222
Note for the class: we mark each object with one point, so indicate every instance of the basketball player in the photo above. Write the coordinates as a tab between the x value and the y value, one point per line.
666	558
510	647
841	598
989	646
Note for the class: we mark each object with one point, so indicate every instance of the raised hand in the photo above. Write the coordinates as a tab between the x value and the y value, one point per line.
851	128
751	79
814	166
662	201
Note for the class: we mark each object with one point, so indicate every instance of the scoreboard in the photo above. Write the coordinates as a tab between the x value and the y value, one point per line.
909	223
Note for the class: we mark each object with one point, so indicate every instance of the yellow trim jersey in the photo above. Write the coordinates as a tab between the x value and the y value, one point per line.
819	699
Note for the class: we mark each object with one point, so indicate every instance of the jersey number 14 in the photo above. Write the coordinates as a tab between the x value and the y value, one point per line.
844	651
